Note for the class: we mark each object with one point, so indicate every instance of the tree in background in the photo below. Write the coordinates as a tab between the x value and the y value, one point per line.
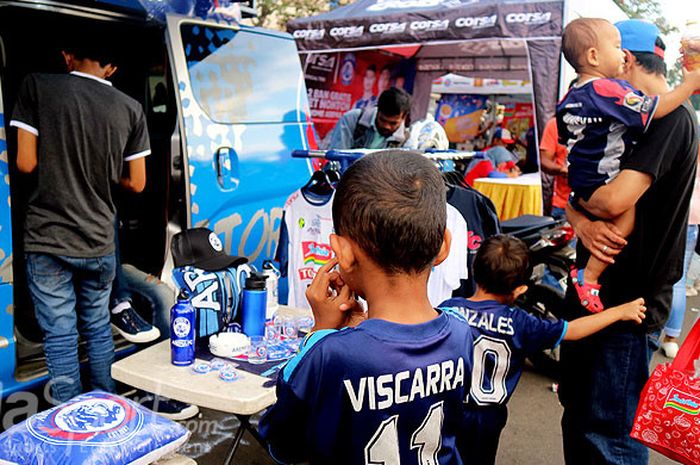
274	14
646	9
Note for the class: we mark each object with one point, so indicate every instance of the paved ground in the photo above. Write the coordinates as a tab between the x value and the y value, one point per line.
532	436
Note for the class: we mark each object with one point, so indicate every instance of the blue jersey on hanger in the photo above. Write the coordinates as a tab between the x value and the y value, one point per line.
379	393
599	122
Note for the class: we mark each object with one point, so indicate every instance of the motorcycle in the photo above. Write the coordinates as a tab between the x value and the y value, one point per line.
551	254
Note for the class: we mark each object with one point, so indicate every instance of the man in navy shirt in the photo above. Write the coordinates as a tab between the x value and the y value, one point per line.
390	389
505	335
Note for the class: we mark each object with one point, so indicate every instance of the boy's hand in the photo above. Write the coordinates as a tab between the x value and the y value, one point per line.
332	301
632	311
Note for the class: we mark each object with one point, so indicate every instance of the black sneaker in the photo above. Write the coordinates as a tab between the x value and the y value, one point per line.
169	408
131	326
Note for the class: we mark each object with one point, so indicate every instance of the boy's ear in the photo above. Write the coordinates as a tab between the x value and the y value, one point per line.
68	58
110	69
343	249
518	291
444	248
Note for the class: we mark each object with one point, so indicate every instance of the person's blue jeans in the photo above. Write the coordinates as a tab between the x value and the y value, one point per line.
129	280
675	320
602	377
158	295
70	295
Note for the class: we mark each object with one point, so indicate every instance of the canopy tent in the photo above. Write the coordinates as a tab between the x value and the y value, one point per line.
499	39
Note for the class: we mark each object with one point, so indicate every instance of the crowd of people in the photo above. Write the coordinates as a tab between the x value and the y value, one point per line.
404	381
623	148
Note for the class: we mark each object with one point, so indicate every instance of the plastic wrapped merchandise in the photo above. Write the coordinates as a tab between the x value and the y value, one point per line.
96	428
691	55
427	134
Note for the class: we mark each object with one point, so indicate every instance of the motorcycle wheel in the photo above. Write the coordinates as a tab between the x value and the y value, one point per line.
544	301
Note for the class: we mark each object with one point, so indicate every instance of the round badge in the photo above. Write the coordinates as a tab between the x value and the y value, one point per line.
201	368
229	375
218	364
181	327
215	242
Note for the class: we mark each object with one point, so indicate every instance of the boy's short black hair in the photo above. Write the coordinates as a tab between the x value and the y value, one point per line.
502	264
393	205
394	102
652	62
92	45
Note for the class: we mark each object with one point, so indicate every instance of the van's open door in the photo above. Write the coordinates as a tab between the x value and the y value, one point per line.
7	338
243	108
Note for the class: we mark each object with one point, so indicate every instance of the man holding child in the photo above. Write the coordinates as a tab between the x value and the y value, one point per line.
603	375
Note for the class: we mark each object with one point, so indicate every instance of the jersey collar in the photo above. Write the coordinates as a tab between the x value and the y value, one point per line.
90	76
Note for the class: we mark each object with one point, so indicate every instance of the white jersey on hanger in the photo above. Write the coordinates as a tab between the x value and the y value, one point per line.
309	228
446	276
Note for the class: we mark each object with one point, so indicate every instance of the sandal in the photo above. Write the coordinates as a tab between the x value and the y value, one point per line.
588	294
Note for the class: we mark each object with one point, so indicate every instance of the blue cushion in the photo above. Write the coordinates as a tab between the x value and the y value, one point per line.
90	429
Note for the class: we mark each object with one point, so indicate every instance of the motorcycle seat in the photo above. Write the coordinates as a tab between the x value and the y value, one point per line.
526	223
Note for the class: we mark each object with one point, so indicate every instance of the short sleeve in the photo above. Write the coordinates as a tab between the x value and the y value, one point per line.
138	145
550	137
537	334
25	113
622	102
665	137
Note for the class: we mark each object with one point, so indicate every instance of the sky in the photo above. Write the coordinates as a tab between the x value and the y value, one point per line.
678	12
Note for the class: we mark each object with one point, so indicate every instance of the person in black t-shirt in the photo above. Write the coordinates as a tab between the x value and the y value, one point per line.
602	377
76	133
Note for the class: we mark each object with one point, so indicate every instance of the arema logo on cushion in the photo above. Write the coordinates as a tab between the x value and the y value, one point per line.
93	419
682	401
318	254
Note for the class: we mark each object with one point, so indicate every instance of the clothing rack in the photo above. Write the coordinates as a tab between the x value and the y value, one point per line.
355	154
348	157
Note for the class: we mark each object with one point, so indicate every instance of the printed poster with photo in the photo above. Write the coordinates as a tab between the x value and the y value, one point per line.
341	81
460	115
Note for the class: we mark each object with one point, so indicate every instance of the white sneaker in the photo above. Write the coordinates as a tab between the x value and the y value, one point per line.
691	292
669	349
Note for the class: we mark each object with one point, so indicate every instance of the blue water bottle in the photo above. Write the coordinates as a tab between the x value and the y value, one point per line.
182	331
254	305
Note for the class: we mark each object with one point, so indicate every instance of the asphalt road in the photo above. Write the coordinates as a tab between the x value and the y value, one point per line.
531	437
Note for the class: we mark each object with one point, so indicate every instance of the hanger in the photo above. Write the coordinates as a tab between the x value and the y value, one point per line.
320	184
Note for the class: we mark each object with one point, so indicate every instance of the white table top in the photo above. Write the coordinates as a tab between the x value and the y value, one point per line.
529	179
150	369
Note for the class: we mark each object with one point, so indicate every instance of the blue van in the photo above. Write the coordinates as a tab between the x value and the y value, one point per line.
225	103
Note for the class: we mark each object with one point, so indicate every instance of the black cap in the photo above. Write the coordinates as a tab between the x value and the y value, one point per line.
202	248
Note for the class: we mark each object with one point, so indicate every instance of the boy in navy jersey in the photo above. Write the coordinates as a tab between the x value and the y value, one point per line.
505	335
392	388
601	118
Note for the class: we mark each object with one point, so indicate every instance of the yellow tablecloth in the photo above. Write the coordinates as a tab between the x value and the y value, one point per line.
513	196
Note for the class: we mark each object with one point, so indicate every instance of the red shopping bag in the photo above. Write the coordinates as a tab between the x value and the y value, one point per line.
668	414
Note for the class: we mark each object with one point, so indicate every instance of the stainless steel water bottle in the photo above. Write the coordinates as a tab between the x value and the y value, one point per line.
254	305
